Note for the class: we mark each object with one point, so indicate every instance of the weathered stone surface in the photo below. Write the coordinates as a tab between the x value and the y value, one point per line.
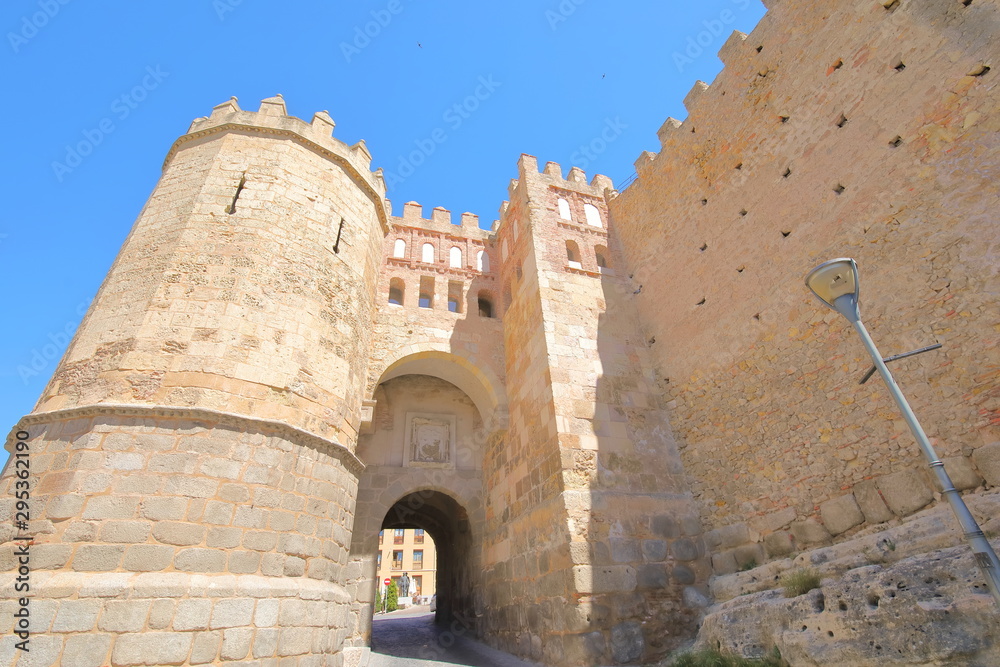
780	543
871	503
809	532
962	473
627	643
841	514
987	460
905	491
845	622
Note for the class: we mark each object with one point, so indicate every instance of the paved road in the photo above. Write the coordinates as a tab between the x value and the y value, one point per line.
409	638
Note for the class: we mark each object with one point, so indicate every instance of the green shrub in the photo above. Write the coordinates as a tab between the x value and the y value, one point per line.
749	565
799	582
392	597
713	658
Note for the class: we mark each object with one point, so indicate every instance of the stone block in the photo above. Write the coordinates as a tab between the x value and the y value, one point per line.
654	550
732	535
222	537
97	557
76	616
200	560
624	550
148	557
124	615
127	532
905	491
178	533
666	526
684	549
243	562
233	613
627	643
724	562
192	614
50	556
152	648
110	507
266	614
163	509
779	543
962	473
651	577
236	643
161	614
64	506
294	641
809	532
987	460
749	555
841	514
683	575
205	648
773	521
870	501
265	643
603	579
85	650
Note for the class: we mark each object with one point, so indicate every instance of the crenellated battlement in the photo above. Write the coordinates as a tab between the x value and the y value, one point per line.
272	119
575	180
439	222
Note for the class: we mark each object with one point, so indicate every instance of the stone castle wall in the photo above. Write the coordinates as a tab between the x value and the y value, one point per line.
869	130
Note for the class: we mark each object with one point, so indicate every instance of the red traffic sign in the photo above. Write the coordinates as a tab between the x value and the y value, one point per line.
387	581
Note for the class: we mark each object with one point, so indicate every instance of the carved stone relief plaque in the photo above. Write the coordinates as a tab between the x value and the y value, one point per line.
430	440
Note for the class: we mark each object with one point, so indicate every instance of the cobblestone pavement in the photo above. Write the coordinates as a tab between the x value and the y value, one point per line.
409	638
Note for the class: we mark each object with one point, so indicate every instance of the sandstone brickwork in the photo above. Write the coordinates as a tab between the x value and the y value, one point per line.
608	410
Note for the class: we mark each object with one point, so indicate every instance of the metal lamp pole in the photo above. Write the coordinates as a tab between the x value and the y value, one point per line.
836	284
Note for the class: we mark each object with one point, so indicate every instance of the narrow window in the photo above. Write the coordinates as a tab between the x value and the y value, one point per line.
379	563
418	535
340	230
426	297
485	305
397	536
455	255
454	296
601	255
399	248
418	559
564	210
593	215
573	254
483	262
236	197
396	291
397	560
427	254
381	536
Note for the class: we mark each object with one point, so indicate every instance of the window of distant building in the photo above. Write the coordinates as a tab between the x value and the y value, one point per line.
381	535
418	559
397	536
397	560
418	536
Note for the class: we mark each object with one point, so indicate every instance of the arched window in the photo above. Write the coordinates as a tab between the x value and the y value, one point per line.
397	290
427	254
573	254
485	304
425	298
601	255
399	248
593	215
483	261
455	255
564	210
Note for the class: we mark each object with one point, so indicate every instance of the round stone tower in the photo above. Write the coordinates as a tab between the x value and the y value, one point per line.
192	460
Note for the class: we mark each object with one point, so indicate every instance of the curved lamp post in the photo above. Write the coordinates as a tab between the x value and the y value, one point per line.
836	284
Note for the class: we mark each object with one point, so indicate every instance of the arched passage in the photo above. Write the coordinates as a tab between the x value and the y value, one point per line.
435	415
449	525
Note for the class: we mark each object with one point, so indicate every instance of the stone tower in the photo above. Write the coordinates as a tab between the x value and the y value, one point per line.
193	453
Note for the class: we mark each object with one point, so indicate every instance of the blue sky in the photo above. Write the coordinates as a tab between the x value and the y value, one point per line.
97	93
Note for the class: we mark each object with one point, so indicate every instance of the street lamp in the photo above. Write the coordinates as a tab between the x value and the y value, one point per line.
836	284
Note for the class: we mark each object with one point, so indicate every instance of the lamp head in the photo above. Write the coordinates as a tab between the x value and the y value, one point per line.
835	283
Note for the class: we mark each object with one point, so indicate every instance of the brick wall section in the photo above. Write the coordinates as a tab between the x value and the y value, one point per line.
214	542
865	131
251	311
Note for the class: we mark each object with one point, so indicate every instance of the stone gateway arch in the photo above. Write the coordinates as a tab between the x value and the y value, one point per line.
611	409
